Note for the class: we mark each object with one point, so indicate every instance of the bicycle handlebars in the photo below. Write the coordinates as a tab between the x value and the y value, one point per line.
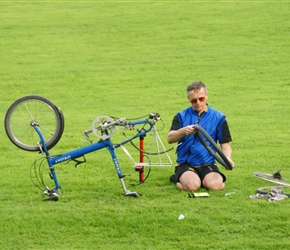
104	126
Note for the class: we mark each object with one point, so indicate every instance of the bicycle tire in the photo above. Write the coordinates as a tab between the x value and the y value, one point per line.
218	155
26	109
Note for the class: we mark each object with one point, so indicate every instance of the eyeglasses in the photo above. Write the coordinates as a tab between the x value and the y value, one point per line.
194	100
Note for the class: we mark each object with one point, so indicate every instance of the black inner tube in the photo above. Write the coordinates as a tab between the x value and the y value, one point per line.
218	155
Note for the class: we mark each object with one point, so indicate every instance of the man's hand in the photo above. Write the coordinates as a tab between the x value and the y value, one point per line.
231	161
176	135
189	130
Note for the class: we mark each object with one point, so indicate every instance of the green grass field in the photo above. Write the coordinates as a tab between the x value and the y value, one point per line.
127	59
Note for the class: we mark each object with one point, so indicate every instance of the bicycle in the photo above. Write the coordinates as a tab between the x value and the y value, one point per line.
47	121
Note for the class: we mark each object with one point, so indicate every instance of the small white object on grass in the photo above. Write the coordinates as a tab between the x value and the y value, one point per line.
181	217
230	193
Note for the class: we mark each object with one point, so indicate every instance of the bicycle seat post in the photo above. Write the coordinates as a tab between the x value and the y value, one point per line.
118	169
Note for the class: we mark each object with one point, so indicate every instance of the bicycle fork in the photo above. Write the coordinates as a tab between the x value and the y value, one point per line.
43	149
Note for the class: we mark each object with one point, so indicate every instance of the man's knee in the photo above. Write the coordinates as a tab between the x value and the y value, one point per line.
213	181
214	185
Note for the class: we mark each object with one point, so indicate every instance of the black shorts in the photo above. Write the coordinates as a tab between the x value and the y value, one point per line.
201	171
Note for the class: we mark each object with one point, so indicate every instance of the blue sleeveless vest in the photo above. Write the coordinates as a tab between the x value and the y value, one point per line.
191	150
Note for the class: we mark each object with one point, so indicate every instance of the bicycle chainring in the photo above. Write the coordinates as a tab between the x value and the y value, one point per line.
102	128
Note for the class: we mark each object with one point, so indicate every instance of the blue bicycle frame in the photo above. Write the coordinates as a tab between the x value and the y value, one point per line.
106	143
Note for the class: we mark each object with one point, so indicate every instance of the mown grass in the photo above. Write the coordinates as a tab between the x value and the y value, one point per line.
127	59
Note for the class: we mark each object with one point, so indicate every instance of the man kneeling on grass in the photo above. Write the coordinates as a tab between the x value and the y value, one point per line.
195	166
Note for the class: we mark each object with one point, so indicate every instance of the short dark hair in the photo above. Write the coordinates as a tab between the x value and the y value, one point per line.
195	86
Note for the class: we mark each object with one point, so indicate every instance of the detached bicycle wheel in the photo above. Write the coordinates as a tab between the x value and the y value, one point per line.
37	109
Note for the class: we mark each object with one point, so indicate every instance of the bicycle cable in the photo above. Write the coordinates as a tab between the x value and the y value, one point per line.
150	153
38	175
131	119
